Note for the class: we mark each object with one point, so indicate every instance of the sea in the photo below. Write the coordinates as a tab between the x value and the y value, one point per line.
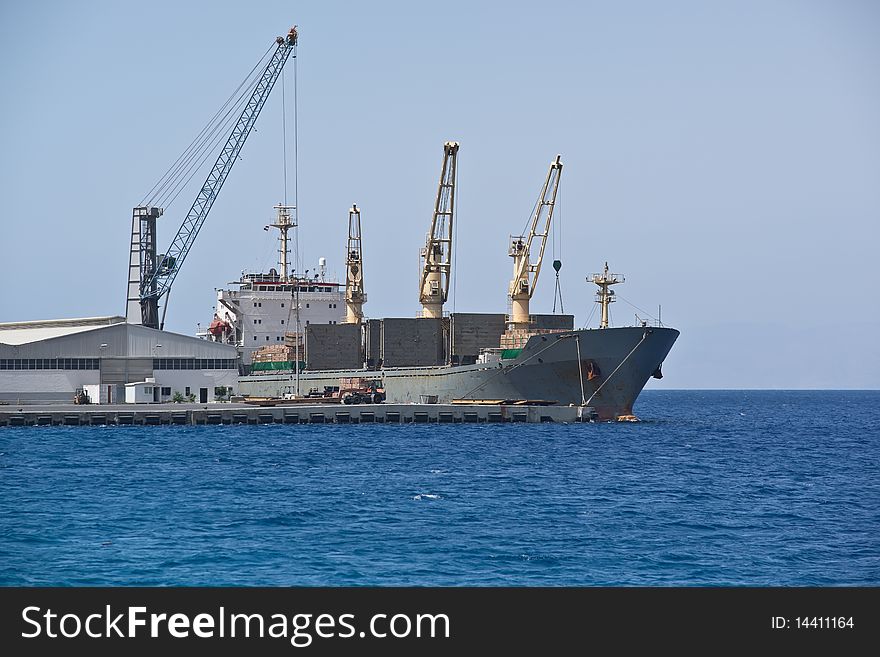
711	488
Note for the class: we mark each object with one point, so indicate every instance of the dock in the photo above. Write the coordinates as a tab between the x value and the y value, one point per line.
231	413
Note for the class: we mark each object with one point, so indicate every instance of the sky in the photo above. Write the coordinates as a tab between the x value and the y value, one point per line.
723	156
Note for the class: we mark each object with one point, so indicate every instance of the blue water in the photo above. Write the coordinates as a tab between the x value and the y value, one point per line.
712	488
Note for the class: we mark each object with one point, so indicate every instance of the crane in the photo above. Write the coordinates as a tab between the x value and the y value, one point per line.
354	270
525	272
151	276
436	256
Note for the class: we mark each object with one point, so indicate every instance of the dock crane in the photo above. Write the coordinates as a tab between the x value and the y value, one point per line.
354	270
525	272
151	276
436	256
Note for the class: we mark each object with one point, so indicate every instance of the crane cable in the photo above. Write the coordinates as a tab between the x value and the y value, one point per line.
181	171
221	118
553	229
208	146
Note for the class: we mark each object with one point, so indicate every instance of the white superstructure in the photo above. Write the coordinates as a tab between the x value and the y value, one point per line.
265	310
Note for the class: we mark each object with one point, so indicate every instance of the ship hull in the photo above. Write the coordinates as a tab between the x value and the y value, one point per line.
605	369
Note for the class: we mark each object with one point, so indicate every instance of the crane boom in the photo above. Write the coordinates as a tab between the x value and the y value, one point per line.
525	272
436	256
158	274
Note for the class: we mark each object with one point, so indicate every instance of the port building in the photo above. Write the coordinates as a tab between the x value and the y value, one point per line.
48	361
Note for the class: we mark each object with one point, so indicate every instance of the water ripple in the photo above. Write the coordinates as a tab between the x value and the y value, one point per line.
712	488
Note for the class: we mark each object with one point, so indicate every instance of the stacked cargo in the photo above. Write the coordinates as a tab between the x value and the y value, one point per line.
275	357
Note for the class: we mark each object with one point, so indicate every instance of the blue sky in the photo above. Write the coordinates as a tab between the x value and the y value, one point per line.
724	156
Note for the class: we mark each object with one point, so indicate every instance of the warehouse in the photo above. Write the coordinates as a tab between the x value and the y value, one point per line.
49	360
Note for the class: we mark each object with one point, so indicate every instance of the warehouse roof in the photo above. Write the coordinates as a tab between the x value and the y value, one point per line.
43	329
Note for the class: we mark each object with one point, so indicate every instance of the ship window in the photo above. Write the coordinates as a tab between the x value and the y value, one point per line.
166	392
187	391
148	390
307	322
255	304
255	321
282	304
267	338
282	321
255	337
307	305
262	288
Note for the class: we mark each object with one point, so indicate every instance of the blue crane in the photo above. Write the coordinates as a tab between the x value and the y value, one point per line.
151	276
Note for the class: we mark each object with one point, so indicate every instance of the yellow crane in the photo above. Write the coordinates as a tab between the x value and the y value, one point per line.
525	271
354	270
436	256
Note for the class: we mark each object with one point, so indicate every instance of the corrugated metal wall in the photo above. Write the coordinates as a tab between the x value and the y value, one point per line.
472	332
412	342
125	370
333	346
565	322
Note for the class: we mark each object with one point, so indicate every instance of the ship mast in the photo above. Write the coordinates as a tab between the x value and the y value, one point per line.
605	295
283	222
354	270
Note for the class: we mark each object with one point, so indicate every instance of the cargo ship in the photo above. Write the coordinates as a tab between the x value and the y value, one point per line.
300	334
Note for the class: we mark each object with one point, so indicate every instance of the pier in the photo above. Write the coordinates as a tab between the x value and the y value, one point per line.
234	413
